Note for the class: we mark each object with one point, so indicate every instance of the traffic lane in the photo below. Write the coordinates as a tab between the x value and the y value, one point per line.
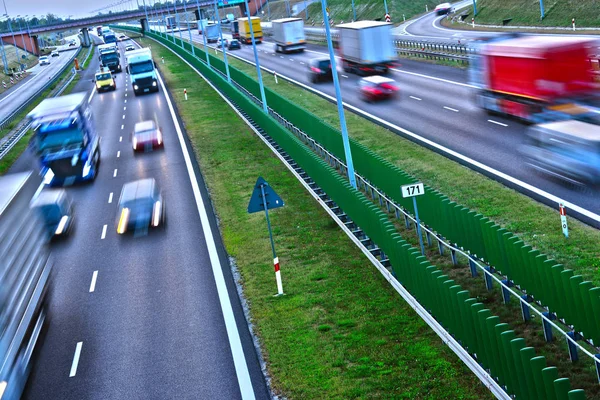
429	26
10	101
445	113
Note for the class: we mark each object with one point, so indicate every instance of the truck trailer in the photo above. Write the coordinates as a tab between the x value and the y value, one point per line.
244	30
25	270
288	34
212	33
65	139
142	70
366	47
109	57
110	37
525	76
235	29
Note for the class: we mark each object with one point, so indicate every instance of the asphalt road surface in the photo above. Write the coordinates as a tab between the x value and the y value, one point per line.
40	75
142	317
436	103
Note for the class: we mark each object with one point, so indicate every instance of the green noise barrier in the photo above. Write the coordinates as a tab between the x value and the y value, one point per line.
492	343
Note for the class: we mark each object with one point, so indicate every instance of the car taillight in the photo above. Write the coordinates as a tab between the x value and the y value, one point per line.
134	143
375	91
314	69
389	86
123	220
158	137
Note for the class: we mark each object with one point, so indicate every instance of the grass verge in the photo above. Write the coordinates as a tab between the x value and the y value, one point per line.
538	225
341	331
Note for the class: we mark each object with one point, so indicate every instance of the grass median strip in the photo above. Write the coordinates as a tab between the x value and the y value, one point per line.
341	331
537	224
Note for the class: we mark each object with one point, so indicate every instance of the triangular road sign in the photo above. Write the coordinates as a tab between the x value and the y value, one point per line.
257	202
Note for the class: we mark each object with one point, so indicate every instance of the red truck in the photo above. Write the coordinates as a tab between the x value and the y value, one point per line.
526	75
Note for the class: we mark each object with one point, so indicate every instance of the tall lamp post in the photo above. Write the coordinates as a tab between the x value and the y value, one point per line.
22	37
203	35
11	31
222	45
260	81
4	59
29	33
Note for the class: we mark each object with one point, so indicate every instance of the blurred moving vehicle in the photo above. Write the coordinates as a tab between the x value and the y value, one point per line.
244	30
55	54
109	56
65	139
288	35
25	271
525	75
320	70
142	70
146	136
110	37
99	30
234	44
222	43
56	211
366	47
141	206
129	47
235	29
122	38
375	88
212	33
44	60
104	80
443	8
568	149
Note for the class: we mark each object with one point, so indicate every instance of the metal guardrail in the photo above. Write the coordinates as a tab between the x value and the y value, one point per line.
31	99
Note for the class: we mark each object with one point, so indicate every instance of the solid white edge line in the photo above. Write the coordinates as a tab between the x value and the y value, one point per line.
110	197
441	149
91	96
437	328
93	284
496	122
434	78
104	231
235	343
75	359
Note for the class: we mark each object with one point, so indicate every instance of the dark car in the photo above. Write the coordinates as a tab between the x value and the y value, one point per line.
146	136
72	43
443	8
56	211
320	70
234	45
141	206
377	87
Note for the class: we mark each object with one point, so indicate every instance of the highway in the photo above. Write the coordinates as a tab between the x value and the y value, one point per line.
40	74
436	103
149	317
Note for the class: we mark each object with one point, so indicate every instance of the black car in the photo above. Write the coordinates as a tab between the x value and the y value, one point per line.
320	70
141	206
234	45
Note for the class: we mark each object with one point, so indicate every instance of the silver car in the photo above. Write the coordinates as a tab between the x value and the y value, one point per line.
44	60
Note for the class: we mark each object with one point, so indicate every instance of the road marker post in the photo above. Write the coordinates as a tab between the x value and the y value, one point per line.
264	198
473	22
413	190
426	8
163	60
573	22
563	219
275	75
185	93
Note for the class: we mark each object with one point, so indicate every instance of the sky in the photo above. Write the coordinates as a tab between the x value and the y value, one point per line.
63	8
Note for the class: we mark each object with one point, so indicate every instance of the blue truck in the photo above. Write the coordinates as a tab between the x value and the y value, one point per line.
65	139
110	37
142	69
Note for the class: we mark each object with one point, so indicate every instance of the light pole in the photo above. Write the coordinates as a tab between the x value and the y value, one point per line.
475	8
223	46
146	13
29	33
4	59
22	37
353	10
260	81
203	35
541	8
385	6
11	31
189	29
338	96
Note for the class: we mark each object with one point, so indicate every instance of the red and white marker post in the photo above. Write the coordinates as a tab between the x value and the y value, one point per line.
275	75
563	219
185	93
278	276
573	22
473	22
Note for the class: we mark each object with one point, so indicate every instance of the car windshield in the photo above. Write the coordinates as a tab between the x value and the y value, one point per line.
324	64
43	58
139	68
109	56
51	213
62	139
102	77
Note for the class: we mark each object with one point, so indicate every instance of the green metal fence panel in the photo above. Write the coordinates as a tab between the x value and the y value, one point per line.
562	387
577	394
550	374
527	354
516	345
537	366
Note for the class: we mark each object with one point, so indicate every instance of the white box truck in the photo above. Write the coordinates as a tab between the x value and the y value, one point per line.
142	69
288	34
212	33
366	47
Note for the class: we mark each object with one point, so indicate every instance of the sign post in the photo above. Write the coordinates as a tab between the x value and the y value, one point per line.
413	190
563	219
265	198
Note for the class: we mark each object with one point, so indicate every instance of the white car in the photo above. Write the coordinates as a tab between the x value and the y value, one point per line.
55	53
44	60
443	8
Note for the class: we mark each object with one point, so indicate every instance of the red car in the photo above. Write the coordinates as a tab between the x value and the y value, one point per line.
146	136
377	87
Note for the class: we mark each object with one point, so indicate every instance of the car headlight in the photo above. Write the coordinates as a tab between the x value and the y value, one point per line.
135	87
61	225
134	143
156	214
154	83
123	220
98	86
86	169
159	137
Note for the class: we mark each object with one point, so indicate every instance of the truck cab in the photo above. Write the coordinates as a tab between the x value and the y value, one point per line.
65	139
109	57
142	69
104	80
110	37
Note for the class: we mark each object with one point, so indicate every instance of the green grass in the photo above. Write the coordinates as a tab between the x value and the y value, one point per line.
341	10
341	331
527	12
537	224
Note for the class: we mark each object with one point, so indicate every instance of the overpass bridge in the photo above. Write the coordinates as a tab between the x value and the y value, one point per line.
27	39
